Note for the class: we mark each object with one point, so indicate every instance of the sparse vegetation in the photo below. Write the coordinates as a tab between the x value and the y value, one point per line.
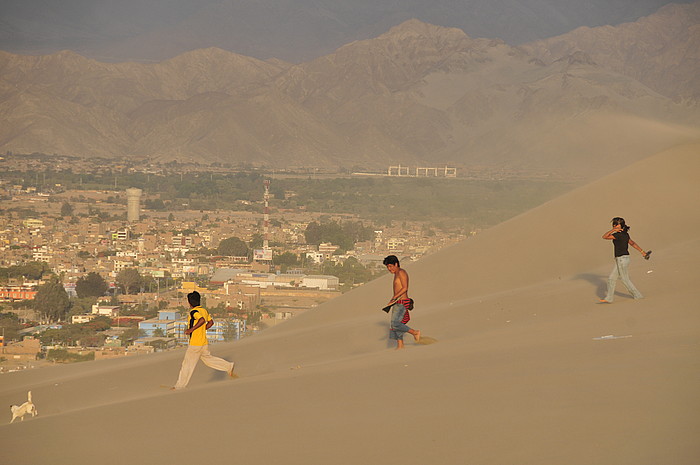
63	356
343	235
381	200
31	270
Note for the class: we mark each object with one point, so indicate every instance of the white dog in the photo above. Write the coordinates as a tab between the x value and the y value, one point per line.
24	409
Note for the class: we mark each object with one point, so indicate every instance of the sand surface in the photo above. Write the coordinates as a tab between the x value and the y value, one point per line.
525	367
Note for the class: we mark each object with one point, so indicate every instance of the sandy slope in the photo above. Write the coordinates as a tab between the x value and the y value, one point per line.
516	377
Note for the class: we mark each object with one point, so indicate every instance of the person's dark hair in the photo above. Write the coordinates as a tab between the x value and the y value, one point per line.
621	221
194	298
391	260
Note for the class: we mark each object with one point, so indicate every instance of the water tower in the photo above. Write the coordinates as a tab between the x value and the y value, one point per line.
133	204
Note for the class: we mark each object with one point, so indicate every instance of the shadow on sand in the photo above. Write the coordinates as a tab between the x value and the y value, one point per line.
600	283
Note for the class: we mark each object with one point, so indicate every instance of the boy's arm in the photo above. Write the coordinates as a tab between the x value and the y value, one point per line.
210	323
199	323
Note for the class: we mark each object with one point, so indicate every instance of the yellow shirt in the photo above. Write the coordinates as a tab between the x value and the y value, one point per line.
199	335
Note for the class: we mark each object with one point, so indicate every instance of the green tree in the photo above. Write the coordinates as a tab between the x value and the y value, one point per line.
257	241
51	300
130	335
158	344
9	322
89	334
312	234
100	323
80	306
35	270
345	236
129	280
63	356
91	285
156	204
350	272
285	260
53	336
230	332
29	270
233	246
66	209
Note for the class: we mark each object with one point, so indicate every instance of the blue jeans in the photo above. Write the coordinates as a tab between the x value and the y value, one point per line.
620	271
398	329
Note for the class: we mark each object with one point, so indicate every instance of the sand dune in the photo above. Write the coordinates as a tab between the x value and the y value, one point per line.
519	375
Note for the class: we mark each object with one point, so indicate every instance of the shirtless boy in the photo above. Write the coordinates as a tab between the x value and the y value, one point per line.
399	303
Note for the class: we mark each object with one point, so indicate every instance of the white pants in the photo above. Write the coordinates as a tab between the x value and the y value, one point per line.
620	270
192	356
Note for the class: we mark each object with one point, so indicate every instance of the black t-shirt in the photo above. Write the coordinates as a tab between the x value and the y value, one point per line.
621	241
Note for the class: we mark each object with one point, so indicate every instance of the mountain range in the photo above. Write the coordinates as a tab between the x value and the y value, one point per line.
585	102
291	30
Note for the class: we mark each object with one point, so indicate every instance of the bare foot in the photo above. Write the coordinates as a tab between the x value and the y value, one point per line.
417	336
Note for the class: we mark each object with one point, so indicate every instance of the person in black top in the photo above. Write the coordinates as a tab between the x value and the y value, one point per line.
621	240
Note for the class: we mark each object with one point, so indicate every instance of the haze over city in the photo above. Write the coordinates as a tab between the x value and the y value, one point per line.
270	155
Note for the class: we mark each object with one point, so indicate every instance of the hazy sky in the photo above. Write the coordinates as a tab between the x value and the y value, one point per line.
293	30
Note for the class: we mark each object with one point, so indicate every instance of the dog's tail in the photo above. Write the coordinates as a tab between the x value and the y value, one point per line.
29	395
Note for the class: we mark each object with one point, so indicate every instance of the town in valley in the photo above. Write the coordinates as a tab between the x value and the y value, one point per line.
97	257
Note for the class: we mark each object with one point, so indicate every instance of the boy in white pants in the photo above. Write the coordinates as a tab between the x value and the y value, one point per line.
199	322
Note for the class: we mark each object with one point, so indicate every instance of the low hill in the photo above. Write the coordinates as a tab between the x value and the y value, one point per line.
528	368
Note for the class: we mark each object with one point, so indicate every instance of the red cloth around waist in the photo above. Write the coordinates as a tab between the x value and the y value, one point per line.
406	316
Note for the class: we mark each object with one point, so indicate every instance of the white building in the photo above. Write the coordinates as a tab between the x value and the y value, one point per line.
317	257
126	253
108	310
120	265
395	243
182	241
327	249
41	254
121	235
322	282
85	318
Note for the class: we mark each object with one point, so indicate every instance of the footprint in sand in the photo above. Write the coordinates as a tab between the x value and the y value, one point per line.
425	340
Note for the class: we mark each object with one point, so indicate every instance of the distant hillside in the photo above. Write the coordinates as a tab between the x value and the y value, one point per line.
418	94
662	51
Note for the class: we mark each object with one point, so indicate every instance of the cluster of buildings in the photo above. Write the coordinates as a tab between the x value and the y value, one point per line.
107	232
169	324
163	244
